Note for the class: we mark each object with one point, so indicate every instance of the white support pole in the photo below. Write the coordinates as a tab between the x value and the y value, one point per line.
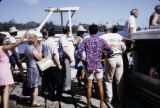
69	19
44	21
62	19
70	10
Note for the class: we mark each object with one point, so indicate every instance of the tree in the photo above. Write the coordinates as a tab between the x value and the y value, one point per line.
139	28
101	28
31	24
74	28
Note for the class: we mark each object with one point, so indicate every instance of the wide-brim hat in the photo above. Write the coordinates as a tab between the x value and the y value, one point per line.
12	29
81	28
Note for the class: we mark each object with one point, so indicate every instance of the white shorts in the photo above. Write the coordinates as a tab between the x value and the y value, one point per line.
98	74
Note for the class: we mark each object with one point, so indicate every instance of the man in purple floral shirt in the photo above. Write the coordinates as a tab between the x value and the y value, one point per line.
93	47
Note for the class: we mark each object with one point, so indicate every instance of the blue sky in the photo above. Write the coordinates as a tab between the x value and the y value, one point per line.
91	11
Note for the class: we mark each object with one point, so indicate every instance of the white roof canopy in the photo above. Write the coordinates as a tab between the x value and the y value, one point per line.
70	10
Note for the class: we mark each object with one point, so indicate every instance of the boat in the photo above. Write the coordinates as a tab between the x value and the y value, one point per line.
139	84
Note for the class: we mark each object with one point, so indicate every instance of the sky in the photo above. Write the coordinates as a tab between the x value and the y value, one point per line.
91	11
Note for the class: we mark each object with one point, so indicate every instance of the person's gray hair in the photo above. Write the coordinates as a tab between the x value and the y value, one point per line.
133	11
31	38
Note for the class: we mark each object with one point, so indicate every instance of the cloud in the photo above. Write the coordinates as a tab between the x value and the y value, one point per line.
31	1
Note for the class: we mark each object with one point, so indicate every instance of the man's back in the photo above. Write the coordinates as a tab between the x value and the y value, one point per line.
94	47
114	40
130	23
50	47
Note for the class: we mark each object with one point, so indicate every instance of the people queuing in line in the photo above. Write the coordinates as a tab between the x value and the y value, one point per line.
93	47
6	78
53	77
67	56
34	80
45	35
79	65
14	57
113	63
88	55
89	52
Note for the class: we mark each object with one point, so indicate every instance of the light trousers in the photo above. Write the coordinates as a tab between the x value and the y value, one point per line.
113	68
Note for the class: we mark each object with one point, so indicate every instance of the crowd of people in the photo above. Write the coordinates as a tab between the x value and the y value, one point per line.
94	57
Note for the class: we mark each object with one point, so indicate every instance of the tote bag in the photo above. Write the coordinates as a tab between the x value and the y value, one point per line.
44	64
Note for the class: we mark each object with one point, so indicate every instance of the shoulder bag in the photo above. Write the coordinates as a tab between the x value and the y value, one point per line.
44	64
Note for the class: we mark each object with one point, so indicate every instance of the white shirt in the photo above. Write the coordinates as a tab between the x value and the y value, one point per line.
11	40
68	43
64	41
49	48
114	40
130	23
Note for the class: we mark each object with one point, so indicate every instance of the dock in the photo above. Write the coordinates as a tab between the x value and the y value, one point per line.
78	100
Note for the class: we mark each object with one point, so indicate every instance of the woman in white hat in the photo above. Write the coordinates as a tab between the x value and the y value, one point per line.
80	33
78	65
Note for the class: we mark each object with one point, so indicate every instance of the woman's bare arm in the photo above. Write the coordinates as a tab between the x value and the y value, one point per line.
11	46
76	41
37	54
155	19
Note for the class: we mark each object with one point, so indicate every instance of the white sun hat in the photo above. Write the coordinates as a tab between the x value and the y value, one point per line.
12	29
81	28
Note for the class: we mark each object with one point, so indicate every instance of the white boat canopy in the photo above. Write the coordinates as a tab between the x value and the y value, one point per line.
70	10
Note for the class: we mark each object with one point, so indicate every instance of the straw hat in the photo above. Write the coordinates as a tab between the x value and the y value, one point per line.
81	28
12	29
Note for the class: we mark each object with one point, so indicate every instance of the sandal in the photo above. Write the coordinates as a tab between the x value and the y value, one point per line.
36	105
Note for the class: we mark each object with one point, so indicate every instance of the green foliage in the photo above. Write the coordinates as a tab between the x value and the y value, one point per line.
49	25
29	25
139	28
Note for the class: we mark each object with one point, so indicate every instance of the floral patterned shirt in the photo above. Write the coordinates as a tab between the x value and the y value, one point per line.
93	46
